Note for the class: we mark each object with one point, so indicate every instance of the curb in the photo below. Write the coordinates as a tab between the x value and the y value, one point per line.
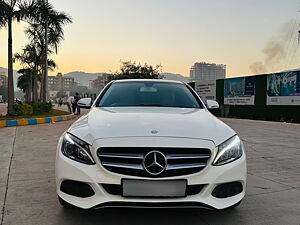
34	121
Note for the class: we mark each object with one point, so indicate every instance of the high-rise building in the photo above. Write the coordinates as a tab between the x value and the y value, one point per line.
207	71
59	82
3	79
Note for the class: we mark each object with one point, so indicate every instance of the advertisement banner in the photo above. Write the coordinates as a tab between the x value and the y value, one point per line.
283	88
239	91
206	89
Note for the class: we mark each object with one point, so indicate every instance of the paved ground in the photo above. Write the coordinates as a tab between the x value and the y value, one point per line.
27	191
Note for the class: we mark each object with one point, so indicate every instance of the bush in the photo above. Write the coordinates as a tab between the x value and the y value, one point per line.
33	109
41	107
23	110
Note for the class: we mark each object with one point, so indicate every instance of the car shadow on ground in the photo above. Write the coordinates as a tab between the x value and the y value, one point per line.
149	216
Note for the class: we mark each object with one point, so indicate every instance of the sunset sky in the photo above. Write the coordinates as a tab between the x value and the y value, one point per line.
173	33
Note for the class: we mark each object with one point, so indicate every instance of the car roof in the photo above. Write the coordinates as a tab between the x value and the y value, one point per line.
148	80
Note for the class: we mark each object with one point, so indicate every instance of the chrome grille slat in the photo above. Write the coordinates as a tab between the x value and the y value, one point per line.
185	166
182	156
129	160
124	165
119	155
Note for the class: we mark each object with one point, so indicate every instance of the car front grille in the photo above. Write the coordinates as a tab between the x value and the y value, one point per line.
129	160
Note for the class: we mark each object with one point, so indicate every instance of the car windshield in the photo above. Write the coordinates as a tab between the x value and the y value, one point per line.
155	94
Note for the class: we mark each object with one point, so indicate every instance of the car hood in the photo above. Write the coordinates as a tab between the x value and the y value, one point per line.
150	121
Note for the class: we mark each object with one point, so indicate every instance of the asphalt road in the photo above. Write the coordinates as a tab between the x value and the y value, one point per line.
27	185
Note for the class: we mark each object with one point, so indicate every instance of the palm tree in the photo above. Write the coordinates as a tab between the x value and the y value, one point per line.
31	59
2	15
36	34
9	12
51	23
25	83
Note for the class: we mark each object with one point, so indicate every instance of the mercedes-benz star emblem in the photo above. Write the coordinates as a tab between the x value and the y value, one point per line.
155	162
154	131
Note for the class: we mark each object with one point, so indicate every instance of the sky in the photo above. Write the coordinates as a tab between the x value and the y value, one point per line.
173	33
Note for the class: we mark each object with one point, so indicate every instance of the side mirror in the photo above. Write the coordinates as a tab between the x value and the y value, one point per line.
212	104
85	103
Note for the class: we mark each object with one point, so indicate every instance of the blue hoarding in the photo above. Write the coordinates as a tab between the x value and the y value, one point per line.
239	91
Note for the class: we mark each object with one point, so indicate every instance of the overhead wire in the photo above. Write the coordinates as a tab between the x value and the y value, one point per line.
294	49
291	47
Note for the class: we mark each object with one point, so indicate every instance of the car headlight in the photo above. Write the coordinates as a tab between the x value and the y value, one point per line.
229	151
76	149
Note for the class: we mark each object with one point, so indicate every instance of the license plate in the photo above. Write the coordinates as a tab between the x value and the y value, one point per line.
150	188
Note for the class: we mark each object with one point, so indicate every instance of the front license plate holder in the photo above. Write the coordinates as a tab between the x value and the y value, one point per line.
154	188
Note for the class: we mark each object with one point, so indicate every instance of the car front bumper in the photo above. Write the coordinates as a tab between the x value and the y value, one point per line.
95	175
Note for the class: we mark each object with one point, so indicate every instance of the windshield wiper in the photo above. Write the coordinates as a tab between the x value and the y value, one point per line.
159	105
180	106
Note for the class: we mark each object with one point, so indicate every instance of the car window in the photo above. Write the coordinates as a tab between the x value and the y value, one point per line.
156	94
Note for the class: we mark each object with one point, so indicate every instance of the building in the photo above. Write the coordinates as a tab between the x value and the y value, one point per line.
59	82
56	95
207	71
3	79
99	83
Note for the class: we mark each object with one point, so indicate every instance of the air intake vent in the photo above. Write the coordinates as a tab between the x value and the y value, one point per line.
129	161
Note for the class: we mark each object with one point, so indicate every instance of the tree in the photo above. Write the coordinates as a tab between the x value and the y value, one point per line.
50	22
34	53
25	83
10	12
36	34
131	70
3	7
31	59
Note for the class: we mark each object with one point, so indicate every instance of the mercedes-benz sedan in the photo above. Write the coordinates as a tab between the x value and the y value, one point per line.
150	143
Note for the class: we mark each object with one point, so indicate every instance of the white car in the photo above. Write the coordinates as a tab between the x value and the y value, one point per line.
150	143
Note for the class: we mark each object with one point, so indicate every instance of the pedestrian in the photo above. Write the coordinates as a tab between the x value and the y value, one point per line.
70	103
18	101
58	103
75	103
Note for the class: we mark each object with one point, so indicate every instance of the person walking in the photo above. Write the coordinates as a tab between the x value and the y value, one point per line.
58	103
75	103
70	103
